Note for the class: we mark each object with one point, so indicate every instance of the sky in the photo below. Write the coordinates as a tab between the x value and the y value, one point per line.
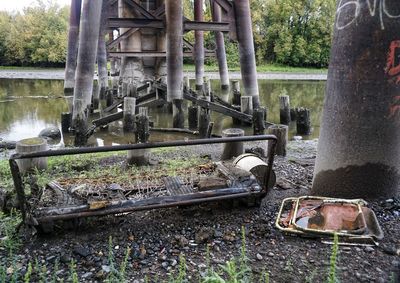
18	5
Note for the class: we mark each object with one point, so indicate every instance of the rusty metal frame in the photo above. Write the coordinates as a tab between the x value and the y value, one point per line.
308	231
117	207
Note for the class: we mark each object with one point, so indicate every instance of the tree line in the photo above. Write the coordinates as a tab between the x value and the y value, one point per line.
288	32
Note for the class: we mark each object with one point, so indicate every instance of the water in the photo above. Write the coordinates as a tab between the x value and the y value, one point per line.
28	106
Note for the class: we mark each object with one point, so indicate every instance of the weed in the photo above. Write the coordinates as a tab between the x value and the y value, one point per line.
72	272
333	261
28	274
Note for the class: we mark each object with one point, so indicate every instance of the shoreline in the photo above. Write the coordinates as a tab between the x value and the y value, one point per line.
58	74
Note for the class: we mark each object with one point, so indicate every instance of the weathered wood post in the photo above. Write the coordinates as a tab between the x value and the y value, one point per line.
140	156
246	105
303	121
66	118
236	100
221	53
232	149
284	109
101	50
246	50
174	22
258	121
281	132
88	39
72	51
193	117
129	114
207	88
29	146
199	45
204	122
358	150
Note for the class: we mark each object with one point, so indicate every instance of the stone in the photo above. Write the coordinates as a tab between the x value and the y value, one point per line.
87	275
259	257
203	235
82	251
106	268
50	132
270	254
369	249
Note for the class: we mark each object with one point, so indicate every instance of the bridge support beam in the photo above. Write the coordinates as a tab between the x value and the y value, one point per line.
221	53
88	41
199	45
72	52
174	22
246	50
358	149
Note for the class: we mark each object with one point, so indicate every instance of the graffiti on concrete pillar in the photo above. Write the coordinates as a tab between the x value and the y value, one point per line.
393	70
349	11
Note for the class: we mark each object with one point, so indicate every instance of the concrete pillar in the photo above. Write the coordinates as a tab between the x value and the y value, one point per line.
88	40
174	22
246	50
221	53
101	50
358	149
72	52
131	68
199	45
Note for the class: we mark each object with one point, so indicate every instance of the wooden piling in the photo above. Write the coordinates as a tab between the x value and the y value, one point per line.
258	121
284	107
88	41
139	157
129	114
29	146
95	96
246	50
236	92
109	97
204	121
66	118
303	121
281	132
193	118
174	15
186	83
232	149
207	88
199	44
72	51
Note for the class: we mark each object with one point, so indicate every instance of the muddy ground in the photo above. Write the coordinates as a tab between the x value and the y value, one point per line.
158	237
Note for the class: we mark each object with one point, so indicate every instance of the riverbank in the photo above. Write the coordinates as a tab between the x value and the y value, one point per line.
58	74
204	237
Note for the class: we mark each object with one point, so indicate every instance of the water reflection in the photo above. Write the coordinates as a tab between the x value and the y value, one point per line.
28	106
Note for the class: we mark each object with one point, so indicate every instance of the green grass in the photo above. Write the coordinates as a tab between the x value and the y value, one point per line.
19	68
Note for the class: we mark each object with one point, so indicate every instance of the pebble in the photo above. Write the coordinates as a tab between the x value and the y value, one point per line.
270	254
82	251
174	262
369	249
87	275
259	257
106	268
164	264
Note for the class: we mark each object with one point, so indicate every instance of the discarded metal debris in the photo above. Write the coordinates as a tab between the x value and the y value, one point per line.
211	182
351	220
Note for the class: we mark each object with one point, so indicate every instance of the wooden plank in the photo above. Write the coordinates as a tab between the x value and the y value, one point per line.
135	23
152	54
108	119
224	4
140	9
206	26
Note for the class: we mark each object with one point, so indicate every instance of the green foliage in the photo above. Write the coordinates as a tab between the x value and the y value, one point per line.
293	32
37	37
333	260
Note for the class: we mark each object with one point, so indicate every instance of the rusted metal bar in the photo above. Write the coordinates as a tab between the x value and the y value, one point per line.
72	51
114	23
199	45
224	4
246	50
140	9
135	23
358	150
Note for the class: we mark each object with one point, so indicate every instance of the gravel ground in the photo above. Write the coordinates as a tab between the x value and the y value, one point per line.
58	74
158	237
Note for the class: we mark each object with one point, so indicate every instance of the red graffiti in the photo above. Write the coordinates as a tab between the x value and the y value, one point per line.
393	65
395	107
